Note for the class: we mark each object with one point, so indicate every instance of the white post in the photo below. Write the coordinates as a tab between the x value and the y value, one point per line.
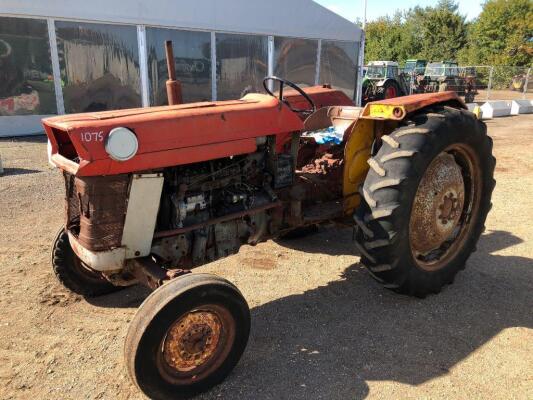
490	81
143	64
56	72
213	66
270	70
526	83
359	88
318	56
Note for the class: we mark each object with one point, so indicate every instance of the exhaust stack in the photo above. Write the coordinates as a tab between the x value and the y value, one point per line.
174	95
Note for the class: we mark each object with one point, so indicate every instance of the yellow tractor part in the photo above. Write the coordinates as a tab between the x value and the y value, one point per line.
371	124
356	155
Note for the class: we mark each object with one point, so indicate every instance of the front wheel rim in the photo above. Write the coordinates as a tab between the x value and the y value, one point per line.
445	207
196	345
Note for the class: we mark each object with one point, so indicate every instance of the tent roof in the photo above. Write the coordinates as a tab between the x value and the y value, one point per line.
295	18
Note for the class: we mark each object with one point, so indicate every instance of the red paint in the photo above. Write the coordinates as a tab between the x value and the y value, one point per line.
323	96
176	135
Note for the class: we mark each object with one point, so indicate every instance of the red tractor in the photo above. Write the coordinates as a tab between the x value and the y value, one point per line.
153	193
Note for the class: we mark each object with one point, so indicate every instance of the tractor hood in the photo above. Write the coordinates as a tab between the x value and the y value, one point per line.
169	135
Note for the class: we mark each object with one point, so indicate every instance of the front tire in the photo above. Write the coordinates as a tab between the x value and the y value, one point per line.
425	201
73	274
187	336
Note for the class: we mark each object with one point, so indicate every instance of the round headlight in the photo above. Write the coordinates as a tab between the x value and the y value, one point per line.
121	144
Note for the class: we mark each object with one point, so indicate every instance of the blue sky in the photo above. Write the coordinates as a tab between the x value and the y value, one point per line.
353	9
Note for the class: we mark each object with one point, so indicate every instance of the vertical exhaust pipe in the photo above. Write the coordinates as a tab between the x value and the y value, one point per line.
174	95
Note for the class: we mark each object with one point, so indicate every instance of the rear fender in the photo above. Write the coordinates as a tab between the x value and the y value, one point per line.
370	125
398	108
356	154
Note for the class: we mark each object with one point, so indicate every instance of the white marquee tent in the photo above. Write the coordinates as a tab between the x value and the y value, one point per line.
60	56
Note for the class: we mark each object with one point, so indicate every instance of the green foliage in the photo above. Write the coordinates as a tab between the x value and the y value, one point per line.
387	39
501	35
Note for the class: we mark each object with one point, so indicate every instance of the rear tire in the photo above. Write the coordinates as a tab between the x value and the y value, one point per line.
389	90
385	234
470	97
187	336
71	272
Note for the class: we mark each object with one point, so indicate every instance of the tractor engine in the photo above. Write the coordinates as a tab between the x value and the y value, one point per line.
196	199
207	210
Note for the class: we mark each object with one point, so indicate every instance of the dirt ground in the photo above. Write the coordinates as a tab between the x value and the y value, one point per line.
494	94
321	327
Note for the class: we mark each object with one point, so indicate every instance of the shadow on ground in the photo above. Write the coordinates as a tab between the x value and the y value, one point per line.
328	342
37	138
20	171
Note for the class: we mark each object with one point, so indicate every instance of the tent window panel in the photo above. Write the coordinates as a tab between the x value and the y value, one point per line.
338	65
192	58
295	60
99	66
26	81
241	64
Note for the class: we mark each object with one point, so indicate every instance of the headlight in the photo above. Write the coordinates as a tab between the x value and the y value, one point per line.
121	144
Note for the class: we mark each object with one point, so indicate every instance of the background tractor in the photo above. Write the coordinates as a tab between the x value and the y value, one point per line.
152	194
413	75
446	75
415	67
383	81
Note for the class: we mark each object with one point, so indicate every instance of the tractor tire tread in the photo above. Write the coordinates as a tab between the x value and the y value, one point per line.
389	180
66	274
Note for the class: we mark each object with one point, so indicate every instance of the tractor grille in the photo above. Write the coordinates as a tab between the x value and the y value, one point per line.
96	208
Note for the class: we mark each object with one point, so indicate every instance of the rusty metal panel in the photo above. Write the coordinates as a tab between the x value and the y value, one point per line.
397	108
72	203
102	204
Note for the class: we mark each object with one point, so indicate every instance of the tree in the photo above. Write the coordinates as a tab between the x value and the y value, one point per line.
442	30
502	34
385	39
432	33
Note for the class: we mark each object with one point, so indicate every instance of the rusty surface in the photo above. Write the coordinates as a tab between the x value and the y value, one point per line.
214	221
196	344
438	204
323	175
192	340
169	136
174	93
446	207
102	205
72	202
416	102
150	273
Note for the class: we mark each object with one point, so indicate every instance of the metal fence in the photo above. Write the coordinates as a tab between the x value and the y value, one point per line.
500	82
477	83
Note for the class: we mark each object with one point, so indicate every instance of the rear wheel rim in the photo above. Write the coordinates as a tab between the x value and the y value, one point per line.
445	207
390	92
196	344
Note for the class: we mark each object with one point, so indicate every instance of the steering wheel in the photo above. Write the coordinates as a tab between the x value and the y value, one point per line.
283	82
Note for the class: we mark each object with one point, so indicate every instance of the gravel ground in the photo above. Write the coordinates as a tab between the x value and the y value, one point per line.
321	327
